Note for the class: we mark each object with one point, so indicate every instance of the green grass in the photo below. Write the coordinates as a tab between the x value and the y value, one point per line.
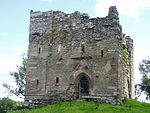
130	106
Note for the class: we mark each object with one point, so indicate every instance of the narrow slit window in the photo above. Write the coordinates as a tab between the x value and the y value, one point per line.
102	53
37	82
57	79
83	47
39	50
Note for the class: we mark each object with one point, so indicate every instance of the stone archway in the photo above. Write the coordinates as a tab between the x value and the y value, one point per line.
82	85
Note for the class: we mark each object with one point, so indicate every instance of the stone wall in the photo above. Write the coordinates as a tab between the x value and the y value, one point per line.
64	46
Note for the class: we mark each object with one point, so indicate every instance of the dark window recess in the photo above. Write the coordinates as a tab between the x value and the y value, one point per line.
113	59
97	76
83	48
36	33
37	82
102	53
39	50
124	46
57	79
60	59
129	53
86	67
128	84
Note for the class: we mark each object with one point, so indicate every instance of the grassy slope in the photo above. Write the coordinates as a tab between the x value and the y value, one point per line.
130	106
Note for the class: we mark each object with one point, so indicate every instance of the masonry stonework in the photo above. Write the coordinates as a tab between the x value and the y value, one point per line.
73	56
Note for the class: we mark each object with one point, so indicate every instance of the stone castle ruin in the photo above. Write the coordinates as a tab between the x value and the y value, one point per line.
73	56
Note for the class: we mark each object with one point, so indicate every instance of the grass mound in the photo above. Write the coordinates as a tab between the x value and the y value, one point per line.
129	106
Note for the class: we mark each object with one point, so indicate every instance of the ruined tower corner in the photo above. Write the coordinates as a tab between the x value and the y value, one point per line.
113	11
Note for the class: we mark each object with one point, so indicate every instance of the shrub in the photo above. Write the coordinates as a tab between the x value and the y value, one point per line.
7	104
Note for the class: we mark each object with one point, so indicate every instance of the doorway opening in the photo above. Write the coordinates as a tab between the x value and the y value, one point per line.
83	85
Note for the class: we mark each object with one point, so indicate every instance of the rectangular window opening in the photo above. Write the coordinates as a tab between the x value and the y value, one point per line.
39	50
37	82
57	79
83	47
102	53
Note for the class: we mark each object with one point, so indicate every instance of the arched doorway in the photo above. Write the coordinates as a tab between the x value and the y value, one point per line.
83	84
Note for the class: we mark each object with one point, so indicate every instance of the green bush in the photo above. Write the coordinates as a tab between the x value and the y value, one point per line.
7	104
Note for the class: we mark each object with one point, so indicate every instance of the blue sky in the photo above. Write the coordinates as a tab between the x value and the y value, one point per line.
14	26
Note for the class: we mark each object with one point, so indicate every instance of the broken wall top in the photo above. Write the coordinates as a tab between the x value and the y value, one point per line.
59	27
52	21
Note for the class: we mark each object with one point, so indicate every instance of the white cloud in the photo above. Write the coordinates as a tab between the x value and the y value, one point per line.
47	1
3	34
131	8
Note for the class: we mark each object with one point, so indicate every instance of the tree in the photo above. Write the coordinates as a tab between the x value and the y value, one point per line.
19	77
144	87
8	104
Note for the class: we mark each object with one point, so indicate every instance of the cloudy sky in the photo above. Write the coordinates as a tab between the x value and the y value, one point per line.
14	26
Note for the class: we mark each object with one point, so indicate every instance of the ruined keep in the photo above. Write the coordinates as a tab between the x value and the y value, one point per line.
73	56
